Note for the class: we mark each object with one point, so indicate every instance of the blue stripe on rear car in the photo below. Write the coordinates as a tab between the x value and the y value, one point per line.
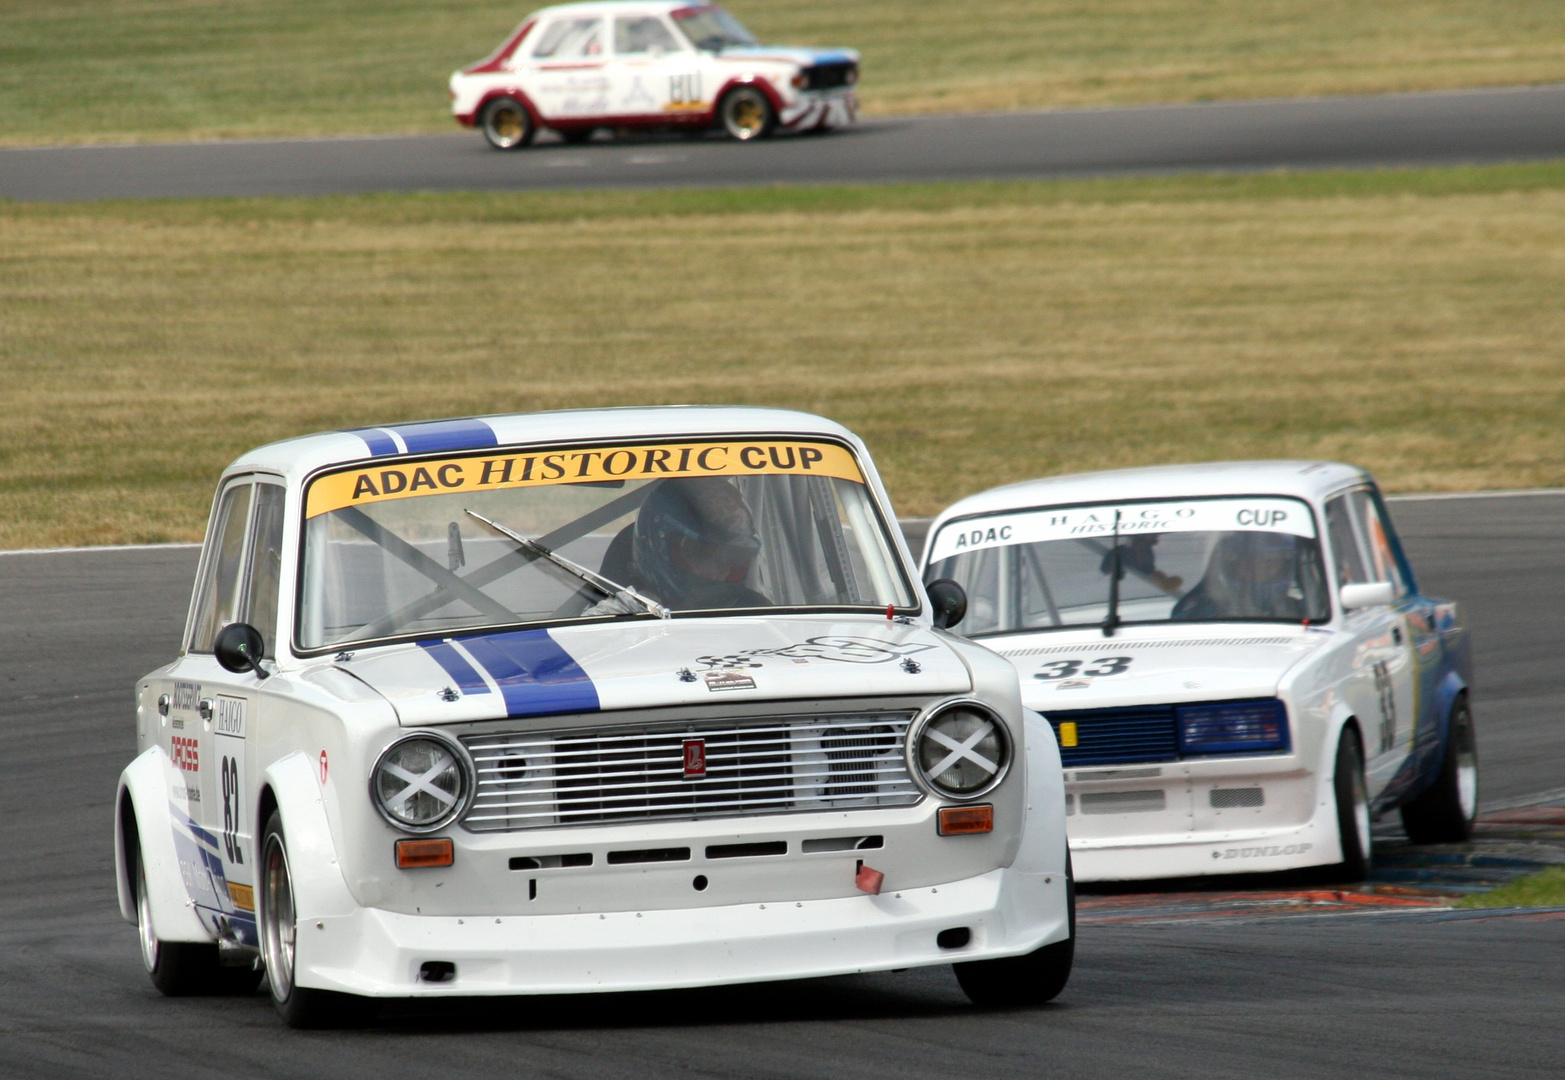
534	674
442	435
456	666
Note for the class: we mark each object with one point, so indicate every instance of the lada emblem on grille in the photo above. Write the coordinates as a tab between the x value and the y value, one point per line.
695	758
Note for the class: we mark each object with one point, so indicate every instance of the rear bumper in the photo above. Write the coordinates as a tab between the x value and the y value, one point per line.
379	953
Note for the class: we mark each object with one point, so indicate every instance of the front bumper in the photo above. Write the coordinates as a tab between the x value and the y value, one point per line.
377	953
820	110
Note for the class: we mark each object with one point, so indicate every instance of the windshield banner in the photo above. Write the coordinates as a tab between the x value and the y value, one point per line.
1196	515
490	472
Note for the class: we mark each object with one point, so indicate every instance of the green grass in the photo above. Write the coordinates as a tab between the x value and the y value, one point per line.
1543	889
108	70
974	334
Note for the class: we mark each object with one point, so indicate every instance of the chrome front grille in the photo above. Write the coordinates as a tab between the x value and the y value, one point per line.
770	766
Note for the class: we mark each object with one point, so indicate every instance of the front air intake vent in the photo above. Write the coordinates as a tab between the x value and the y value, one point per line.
782	765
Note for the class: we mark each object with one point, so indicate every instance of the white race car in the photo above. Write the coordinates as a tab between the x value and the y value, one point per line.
1236	658
624	64
581	701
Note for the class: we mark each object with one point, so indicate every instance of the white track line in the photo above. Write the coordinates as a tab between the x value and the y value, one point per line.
99	547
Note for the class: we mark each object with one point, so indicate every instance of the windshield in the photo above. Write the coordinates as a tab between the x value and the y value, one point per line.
391	550
712	28
1200	560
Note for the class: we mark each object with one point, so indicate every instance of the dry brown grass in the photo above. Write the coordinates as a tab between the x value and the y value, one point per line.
973	335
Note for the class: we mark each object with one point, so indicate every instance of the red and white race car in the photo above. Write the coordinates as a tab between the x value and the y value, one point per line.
626	64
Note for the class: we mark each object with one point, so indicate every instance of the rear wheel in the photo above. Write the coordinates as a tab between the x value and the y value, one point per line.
183	968
1352	796
299	1006
507	124
1444	813
746	114
1033	979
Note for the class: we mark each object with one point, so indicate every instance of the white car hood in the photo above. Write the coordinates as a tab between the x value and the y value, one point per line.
1223	662
646	664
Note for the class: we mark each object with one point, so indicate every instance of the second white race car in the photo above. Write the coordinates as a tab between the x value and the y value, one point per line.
1237	660
623	64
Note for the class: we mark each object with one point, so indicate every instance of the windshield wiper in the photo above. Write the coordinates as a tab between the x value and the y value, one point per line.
596	580
1111	620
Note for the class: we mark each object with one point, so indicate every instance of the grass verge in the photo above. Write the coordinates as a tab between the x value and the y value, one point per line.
109	70
974	334
1543	889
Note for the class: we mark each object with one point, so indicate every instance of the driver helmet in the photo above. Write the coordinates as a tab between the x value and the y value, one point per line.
694	535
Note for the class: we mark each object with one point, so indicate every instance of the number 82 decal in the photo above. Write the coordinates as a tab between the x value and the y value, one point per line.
1064	669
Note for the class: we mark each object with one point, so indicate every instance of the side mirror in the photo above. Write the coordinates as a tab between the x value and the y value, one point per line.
1368	594
239	648
948	602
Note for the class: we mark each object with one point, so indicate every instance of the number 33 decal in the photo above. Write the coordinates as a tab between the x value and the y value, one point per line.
1064	669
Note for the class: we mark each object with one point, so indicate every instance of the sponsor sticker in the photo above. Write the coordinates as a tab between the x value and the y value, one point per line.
1280	515
185	753
486	472
229	717
728	680
1268	852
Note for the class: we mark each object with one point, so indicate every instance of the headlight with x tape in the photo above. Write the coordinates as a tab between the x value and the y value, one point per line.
961	750
422	782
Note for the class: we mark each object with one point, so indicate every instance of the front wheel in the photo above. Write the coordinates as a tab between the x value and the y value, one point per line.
183	968
746	114
1033	979
1352	797
299	1006
1444	813
507	124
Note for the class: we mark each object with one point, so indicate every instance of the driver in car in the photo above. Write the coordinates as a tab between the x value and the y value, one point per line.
692	548
1249	575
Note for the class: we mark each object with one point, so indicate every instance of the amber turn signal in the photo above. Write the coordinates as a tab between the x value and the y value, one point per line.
960	820
416	853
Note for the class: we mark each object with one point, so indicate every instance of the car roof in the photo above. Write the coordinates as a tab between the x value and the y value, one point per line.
293	459
1310	480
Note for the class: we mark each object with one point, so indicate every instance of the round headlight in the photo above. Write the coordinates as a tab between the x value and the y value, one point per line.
421	782
961	750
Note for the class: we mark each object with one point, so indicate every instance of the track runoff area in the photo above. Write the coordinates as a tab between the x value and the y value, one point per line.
1207	978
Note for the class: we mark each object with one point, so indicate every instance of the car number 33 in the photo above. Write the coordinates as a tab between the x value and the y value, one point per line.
1064	669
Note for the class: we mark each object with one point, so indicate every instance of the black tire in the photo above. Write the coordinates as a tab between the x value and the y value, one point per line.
507	124
1445	811
183	968
577	136
1352	797
300	1007
1033	979
746	114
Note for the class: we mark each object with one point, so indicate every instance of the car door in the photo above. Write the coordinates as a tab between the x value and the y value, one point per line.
652	72
1381	689
569	78
213	712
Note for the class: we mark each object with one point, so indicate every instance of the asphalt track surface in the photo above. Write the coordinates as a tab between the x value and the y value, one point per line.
1483	126
1383	995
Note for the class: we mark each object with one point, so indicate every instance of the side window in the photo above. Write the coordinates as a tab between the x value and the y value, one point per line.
568	39
1376	531
266	560
1348	559
642	34
217	602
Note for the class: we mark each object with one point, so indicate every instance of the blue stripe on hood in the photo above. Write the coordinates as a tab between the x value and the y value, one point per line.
456	666
535	675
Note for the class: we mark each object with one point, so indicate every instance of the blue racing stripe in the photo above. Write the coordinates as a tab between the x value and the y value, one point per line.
456	666
441	435
377	440
534	674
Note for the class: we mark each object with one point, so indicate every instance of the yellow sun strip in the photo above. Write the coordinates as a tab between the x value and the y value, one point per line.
243	896
492	472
